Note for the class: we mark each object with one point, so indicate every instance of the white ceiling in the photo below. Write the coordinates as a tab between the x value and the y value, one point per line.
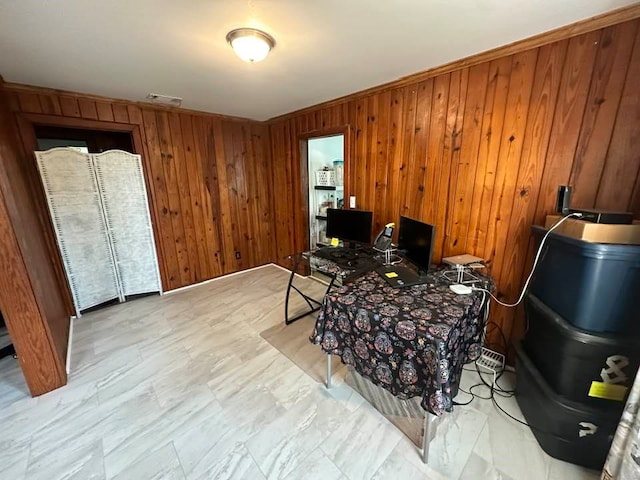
325	48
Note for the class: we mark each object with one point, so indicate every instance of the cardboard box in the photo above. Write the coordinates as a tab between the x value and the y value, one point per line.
597	232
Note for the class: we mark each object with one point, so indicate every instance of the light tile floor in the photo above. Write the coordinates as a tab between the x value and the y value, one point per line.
183	386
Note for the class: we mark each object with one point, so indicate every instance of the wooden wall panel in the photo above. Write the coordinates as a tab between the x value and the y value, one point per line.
480	151
30	297
209	178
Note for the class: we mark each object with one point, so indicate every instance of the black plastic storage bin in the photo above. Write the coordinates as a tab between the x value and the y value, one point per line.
570	359
565	430
594	286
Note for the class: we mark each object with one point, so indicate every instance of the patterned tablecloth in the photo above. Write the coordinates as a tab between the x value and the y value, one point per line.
411	341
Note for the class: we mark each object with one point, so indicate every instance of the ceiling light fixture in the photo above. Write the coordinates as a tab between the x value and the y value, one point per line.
250	45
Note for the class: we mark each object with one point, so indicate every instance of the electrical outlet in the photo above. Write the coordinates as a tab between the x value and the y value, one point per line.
352	201
237	255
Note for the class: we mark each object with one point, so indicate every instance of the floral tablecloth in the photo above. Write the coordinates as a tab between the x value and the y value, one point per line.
411	341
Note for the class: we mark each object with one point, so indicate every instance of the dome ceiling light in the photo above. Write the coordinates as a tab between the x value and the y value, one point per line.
250	44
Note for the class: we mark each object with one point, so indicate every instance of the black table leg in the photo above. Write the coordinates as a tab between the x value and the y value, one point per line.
314	305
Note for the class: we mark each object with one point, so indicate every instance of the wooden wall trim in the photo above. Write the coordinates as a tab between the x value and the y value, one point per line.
43	369
584	26
83	97
30	297
302	179
72	122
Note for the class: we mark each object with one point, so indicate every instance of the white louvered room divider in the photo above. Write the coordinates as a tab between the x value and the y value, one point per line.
98	204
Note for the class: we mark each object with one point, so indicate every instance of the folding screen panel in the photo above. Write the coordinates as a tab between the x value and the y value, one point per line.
124	199
79	223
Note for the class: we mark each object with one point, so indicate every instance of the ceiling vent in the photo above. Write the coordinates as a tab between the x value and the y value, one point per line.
164	99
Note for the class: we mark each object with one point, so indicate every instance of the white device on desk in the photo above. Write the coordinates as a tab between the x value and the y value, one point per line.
459	286
461	275
465	260
460	289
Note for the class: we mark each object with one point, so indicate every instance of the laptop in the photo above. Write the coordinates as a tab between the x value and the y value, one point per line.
398	276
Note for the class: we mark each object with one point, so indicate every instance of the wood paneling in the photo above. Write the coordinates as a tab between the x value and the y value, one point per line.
476	147
611	18
480	151
30	297
208	176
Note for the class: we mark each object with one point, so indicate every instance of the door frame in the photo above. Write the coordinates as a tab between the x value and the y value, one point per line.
26	123
303	151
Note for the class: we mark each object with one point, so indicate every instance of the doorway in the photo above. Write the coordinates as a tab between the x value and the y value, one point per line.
86	141
325	166
325	157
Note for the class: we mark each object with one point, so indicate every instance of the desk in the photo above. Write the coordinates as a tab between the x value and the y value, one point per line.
331	269
411	341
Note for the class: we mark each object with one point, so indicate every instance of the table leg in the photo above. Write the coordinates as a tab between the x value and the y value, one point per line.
328	370
314	305
427	436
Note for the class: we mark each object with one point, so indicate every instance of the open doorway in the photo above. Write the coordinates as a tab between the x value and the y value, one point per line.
325	163
86	141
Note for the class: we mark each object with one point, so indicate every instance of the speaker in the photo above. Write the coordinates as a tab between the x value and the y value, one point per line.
563	200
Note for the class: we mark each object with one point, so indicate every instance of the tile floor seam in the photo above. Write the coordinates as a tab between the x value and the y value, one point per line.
104	463
175	451
28	462
486	422
244	444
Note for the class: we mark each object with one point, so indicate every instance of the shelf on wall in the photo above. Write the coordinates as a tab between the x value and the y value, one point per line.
323	187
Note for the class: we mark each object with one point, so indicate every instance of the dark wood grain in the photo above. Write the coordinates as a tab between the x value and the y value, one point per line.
31	299
208	178
609	74
621	170
484	148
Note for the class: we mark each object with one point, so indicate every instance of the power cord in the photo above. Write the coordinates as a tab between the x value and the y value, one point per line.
495	389
498	391
535	263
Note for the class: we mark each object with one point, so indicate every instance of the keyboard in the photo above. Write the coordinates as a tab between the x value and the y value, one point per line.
358	261
398	276
336	254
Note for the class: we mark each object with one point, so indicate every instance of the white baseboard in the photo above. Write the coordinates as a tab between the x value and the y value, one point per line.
287	270
69	344
204	282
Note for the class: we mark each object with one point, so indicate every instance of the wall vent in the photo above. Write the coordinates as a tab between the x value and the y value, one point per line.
164	99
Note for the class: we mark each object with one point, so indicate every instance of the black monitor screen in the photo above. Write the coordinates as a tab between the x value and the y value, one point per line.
350	225
416	238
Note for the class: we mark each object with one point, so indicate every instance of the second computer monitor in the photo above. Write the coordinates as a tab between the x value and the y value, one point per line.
349	225
416	239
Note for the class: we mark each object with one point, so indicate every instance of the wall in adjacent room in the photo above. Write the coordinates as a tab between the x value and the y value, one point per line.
208	178
480	150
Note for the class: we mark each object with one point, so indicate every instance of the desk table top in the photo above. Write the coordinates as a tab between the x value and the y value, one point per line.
412	341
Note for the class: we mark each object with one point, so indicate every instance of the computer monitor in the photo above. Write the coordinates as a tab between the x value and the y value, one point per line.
416	239
349	225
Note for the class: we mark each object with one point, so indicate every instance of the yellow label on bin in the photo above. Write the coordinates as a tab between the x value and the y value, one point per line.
391	275
335	242
608	391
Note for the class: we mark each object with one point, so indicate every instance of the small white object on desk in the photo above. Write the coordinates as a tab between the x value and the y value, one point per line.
464	260
460	289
